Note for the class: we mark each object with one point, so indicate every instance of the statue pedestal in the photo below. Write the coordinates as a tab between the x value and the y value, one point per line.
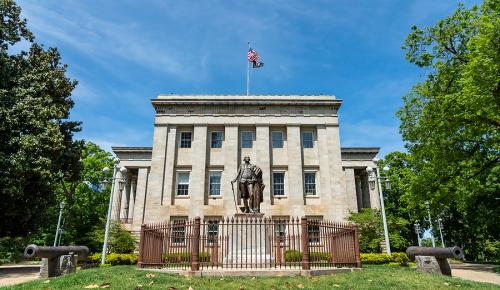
250	241
248	215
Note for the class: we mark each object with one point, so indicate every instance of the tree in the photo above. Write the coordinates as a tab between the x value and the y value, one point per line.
37	149
451	122
86	202
371	230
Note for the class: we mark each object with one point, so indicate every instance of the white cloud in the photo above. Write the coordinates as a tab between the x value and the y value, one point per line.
105	42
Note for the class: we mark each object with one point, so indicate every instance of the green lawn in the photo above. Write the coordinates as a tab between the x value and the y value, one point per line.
372	277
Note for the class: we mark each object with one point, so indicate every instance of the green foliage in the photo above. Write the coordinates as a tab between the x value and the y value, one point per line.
296	256
293	256
399	257
86	203
451	121
372	277
114	259
320	257
371	229
375	258
184	257
120	240
379	258
11	249
37	150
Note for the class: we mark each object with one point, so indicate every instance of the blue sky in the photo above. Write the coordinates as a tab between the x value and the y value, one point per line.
124	53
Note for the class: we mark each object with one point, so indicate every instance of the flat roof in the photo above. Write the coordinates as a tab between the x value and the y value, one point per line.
295	100
360	150
245	97
122	149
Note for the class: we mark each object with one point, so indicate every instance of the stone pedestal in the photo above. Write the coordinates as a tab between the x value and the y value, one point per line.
250	241
54	267
248	215
430	264
67	264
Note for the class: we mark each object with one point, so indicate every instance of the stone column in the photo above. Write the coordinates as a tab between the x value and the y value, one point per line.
125	198
324	166
350	185
295	171
359	192
374	195
140	198
155	188
197	182
339	205
366	192
131	204
115	210
263	161
168	195
230	167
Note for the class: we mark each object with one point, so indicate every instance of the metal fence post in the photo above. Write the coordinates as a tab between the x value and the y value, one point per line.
356	247
141	246
195	246
305	244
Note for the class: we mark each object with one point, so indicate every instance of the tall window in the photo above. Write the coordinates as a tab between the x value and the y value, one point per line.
213	230
279	183
182	183
307	140
310	183
277	139
178	227
313	232
246	139
186	138
216	140
214	183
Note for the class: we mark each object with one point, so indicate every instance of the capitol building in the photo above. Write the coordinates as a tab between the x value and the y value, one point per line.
200	141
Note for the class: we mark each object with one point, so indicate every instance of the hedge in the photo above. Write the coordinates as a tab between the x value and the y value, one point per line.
184	257
114	259
377	258
370	258
296	256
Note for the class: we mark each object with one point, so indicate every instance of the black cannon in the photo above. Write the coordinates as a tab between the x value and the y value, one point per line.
54	265
425	262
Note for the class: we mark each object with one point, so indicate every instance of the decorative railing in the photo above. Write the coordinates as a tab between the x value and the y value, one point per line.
240	243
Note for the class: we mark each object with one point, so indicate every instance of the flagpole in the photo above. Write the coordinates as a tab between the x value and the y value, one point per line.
248	72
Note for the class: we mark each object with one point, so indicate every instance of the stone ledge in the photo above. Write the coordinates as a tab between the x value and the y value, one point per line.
253	272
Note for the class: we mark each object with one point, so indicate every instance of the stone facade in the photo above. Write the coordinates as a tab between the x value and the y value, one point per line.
199	141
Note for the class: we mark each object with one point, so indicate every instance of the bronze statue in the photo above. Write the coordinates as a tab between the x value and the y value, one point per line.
251	186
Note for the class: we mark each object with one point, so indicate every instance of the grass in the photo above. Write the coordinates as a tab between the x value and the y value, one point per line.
372	277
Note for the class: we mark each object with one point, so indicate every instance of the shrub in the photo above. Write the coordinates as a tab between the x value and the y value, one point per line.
373	258
296	256
293	256
184	257
319	257
121	259
114	259
120	240
94	258
11	249
400	258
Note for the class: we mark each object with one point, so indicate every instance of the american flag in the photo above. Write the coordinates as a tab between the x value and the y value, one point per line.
254	58
253	55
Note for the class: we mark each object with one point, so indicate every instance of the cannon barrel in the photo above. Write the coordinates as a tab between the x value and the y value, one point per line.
54	252
439	253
